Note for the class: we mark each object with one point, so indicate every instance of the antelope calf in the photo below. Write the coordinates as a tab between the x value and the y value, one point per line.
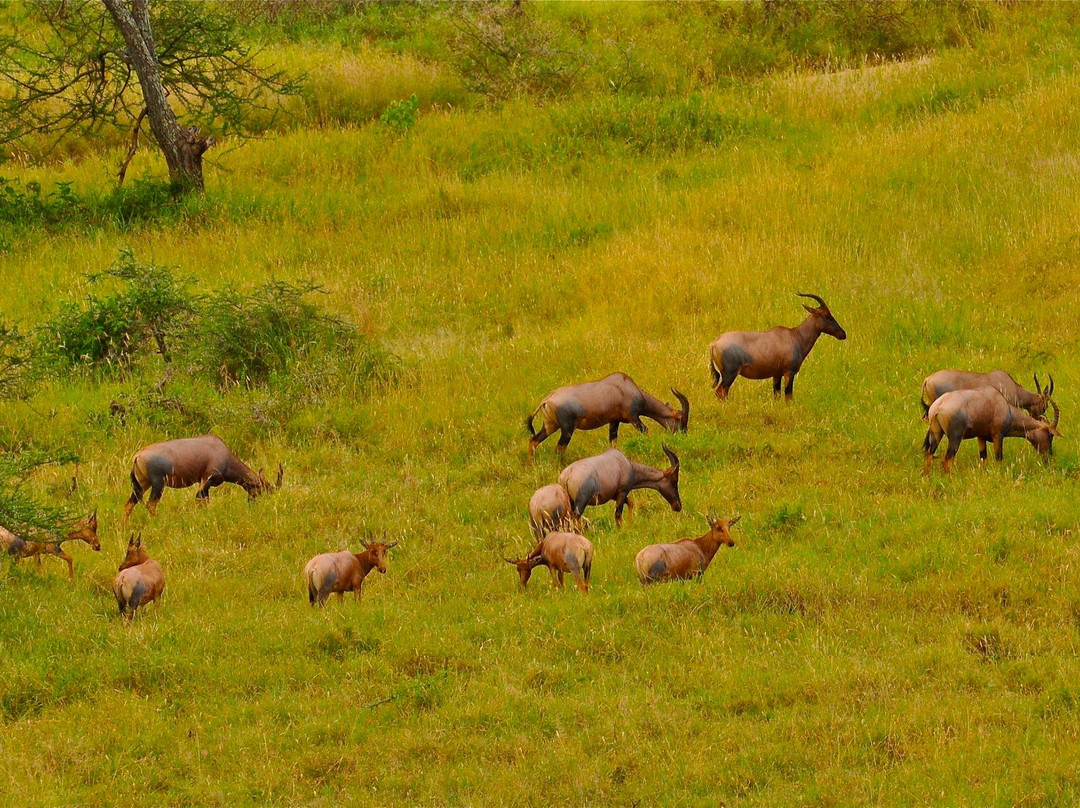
612	476
777	354
945	381
184	462
140	580
686	558
343	571
561	553
984	414
611	401
84	530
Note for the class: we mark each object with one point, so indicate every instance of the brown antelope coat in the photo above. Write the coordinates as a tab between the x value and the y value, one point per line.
777	354
611	401
84	530
561	553
945	381
140	580
686	558
612	476
204	461
343	571
549	509
984	414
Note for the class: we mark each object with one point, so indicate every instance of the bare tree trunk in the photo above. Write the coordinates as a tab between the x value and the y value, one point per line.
183	148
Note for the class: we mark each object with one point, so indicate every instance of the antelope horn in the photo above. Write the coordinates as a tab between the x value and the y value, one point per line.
1050	392
674	458
685	402
815	298
1038	388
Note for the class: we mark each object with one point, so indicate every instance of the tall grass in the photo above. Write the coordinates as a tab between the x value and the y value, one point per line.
875	637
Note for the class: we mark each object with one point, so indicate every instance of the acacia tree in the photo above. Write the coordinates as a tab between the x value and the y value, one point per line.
79	67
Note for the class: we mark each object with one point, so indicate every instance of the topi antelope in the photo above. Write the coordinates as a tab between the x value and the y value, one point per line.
686	558
139	581
549	509
343	571
560	553
777	354
986	415
945	381
83	530
184	462
612	476
613	400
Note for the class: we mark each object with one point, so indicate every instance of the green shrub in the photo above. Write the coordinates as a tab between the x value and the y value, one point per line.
401	115
110	331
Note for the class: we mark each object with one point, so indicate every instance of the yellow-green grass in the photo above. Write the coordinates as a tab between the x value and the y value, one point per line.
876	637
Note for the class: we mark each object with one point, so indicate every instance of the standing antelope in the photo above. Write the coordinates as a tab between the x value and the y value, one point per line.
613	400
343	571
945	381
140	580
686	558
549	509
612	476
84	530
776	354
986	415
180	463
560	553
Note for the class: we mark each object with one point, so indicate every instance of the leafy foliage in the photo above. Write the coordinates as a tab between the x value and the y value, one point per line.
21	512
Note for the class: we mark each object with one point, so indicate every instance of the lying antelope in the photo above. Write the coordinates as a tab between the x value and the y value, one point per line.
945	381
613	400
84	530
777	354
549	509
612	476
140	580
986	415
561	553
343	571
184	462
686	558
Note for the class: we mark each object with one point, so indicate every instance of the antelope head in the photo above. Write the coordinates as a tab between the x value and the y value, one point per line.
823	317
525	566
86	530
260	484
669	484
1042	432
679	420
721	529
136	553
378	551
1044	393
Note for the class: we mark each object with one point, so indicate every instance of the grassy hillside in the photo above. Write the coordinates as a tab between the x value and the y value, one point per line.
876	636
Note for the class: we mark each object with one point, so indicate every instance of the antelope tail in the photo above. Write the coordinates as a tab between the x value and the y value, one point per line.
529	421
715	374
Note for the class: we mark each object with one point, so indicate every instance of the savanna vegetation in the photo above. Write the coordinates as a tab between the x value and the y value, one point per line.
461	209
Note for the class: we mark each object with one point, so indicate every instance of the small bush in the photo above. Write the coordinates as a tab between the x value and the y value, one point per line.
109	331
14	363
401	115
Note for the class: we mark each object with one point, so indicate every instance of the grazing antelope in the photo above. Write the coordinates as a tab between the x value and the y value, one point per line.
945	381
549	509
686	558
613	400
612	476
184	462
140	580
561	553
986	415
343	571
777	354
84	530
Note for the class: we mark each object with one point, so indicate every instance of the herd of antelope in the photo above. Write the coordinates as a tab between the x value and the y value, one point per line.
958	405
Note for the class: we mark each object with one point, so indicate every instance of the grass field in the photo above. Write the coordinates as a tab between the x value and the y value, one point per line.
876	637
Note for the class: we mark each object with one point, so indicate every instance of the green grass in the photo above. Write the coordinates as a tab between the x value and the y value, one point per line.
876	637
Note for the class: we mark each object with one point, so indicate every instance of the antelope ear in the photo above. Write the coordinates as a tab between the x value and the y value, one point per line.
734	521
812	311
391	546
364	544
509	561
